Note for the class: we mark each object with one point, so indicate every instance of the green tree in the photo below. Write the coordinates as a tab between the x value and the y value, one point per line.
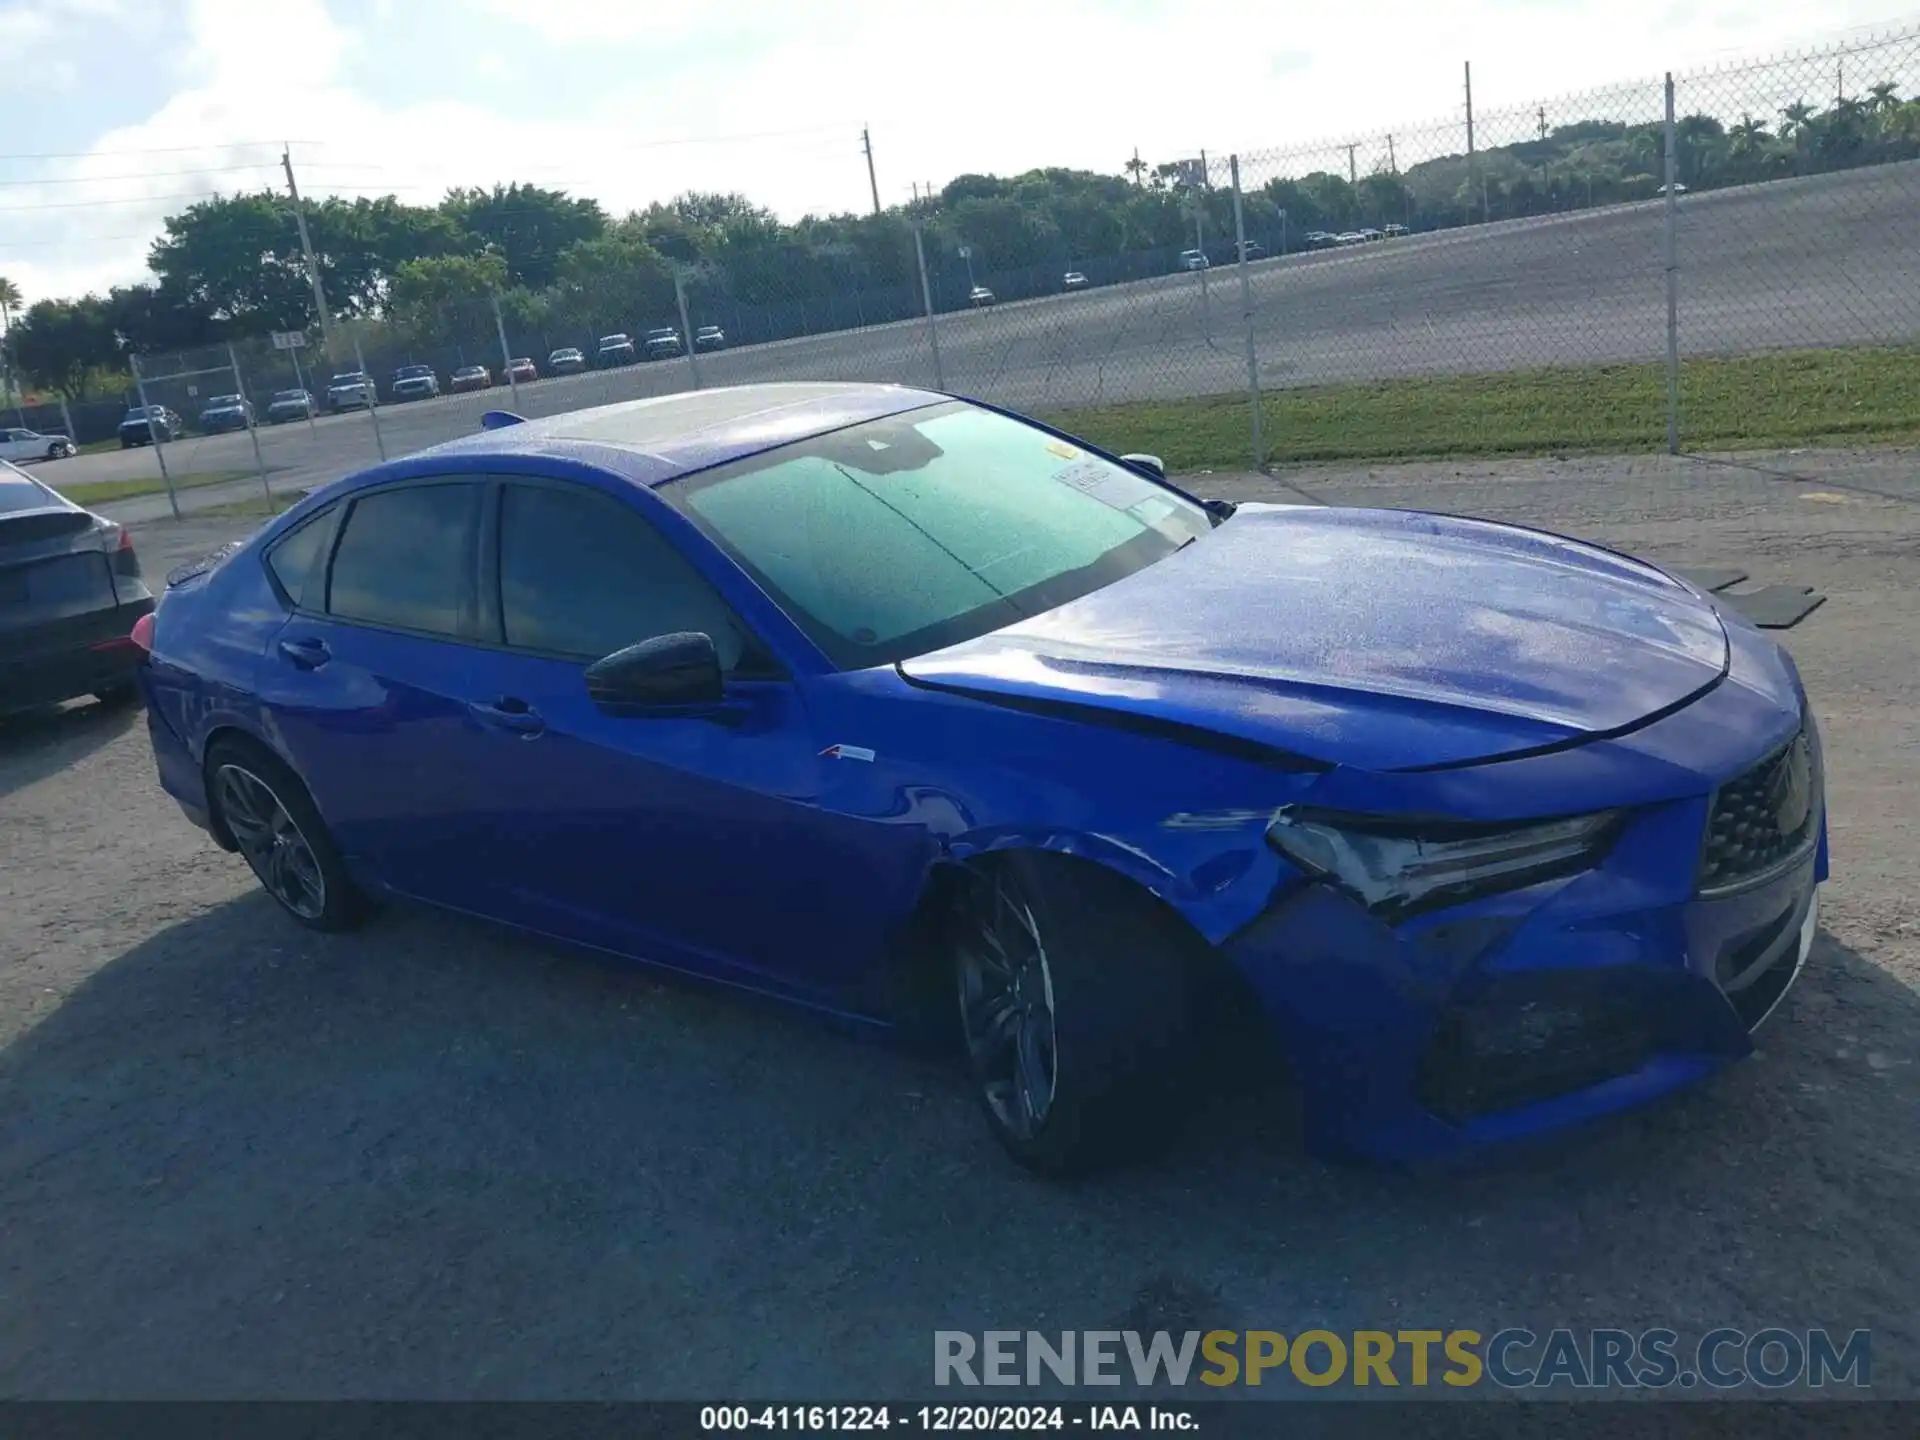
63	344
614	282
237	260
446	298
531	227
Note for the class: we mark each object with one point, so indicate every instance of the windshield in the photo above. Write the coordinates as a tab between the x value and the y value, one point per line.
349	379
413	372
917	531
219	400
613	340
285	395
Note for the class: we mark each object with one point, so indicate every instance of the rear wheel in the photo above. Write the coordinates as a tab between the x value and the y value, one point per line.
122	694
280	834
1074	990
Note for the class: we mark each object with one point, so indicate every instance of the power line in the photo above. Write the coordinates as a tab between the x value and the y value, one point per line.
144	175
156	150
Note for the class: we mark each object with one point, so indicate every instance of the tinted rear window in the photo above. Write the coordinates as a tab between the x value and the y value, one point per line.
293	555
17	493
404	559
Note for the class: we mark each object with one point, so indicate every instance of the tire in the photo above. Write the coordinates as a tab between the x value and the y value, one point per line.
117	695
1102	1077
324	896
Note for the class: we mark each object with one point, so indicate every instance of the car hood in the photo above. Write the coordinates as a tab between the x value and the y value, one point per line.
412	380
1383	639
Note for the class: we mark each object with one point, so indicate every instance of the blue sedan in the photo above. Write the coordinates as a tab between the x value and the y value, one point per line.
905	708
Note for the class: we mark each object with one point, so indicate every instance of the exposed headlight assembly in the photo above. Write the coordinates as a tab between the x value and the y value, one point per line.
1397	867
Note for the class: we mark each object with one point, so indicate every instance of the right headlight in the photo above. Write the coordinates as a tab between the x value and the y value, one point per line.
1397	867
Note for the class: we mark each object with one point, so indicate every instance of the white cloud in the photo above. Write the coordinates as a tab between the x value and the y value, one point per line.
999	85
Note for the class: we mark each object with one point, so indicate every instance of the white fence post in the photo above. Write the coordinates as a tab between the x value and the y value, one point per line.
926	299
153	434
1246	314
1673	278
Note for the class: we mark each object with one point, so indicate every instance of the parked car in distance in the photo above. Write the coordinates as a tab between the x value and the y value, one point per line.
1678	189
521	368
146	423
567	360
1349	237
352	390
615	350
1319	239
414	382
1194	260
470	377
290	405
1252	250
19	445
709	337
226	412
663	344
1073	280
1397	230
70	595
1370	235
979	295
1495	835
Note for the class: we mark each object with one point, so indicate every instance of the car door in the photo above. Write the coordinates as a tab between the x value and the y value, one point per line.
368	683
17	445
684	838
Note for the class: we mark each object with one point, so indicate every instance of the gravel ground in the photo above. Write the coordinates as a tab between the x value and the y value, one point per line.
437	1160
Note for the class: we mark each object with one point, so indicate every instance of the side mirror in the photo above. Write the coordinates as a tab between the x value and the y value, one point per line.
1152	464
678	669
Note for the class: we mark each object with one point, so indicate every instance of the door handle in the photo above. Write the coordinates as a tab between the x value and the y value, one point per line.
511	714
309	653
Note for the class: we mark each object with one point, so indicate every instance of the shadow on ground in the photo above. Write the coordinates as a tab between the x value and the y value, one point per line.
433	1159
39	743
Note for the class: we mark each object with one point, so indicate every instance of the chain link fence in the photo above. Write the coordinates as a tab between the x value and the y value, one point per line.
1683	262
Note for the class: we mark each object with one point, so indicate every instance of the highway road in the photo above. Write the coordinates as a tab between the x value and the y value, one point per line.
1825	260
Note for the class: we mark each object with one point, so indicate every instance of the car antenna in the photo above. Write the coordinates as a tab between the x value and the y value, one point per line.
500	419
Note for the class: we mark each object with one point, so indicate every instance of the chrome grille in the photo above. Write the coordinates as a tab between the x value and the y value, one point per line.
1764	820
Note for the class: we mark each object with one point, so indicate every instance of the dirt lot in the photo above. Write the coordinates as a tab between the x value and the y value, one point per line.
434	1159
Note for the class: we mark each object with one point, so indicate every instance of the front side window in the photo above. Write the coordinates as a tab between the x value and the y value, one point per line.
583	575
905	534
405	558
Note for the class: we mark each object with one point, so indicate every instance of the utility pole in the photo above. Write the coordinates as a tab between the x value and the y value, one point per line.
306	248
1138	169
1543	122
1353	173
866	143
1393	165
1473	166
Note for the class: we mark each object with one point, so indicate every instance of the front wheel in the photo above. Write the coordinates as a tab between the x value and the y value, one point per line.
280	834
1074	989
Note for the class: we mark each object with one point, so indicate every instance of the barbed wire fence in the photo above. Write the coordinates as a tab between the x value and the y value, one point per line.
1638	268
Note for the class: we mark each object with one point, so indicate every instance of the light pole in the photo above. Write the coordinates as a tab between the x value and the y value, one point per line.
966	254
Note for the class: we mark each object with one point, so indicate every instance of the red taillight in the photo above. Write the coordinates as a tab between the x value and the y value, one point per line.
143	632
117	538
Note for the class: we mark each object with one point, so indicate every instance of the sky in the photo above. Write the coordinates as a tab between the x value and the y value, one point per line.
119	112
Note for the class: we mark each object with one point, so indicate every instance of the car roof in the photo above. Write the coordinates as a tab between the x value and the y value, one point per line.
652	441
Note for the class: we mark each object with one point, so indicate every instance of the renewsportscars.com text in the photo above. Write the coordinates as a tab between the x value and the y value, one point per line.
1514	1358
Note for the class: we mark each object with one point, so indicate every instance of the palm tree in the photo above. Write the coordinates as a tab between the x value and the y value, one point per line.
1883	97
1136	167
1793	119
